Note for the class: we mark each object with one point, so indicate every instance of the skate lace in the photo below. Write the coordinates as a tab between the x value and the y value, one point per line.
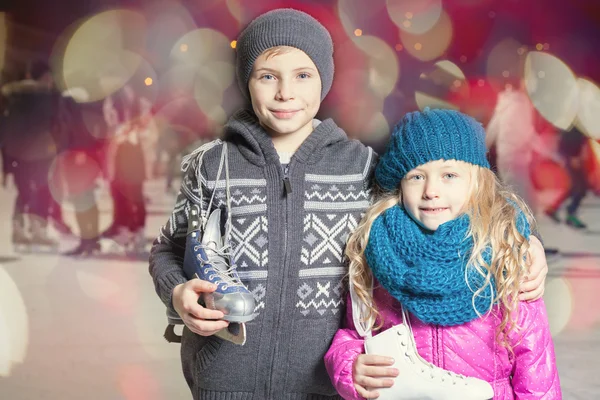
217	264
434	372
443	375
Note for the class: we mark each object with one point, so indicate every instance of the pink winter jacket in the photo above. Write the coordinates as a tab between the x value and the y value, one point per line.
469	349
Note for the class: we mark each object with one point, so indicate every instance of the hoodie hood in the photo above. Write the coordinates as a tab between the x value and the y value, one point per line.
244	129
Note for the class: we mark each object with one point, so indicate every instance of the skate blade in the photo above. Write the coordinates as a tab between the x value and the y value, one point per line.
234	333
170	335
240	318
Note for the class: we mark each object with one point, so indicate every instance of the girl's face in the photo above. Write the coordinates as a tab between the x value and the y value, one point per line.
437	192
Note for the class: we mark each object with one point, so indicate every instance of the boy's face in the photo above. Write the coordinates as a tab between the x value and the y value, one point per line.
437	192
285	90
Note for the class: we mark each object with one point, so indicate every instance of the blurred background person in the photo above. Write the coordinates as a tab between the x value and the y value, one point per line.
80	164
31	138
512	132
572	148
128	114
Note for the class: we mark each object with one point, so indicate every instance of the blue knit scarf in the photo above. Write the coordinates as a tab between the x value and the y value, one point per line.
426	271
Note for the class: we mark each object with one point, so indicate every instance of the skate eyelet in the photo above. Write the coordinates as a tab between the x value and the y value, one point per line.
225	287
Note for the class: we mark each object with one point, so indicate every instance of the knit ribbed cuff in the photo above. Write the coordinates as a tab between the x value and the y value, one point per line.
202	394
309	396
166	284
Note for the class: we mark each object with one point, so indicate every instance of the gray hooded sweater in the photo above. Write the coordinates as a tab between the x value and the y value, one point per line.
288	241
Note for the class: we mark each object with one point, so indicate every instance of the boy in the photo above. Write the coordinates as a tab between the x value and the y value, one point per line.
298	187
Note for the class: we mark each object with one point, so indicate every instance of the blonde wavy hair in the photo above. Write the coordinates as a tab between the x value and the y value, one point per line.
493	212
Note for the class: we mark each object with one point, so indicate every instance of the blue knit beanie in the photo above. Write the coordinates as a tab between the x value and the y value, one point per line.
421	137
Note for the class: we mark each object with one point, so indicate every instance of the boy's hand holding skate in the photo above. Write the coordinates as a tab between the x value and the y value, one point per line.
370	372
198	319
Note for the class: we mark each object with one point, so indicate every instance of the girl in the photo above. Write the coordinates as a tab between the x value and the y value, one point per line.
446	241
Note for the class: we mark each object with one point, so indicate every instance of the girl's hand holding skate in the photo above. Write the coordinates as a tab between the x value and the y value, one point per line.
198	319
371	372
533	287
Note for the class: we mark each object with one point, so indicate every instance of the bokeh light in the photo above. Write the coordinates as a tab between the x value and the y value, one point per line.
583	277
505	62
94	123
236	10
383	67
550	175
113	286
359	115
431	44
203	45
136	382
207	92
415	16
594	166
356	103
424	100
359	17
378	128
559	304
103	53
219	72
167	23
206	69
552	88
595	149
5	349
183	119
588	114
72	175
96	287
441	86
14	325
178	79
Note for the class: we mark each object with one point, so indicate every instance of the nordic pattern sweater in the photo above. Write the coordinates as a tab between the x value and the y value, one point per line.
288	243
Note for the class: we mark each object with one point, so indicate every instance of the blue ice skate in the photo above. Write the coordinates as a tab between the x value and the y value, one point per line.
209	259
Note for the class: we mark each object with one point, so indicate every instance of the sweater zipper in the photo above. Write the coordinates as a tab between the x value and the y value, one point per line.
287	186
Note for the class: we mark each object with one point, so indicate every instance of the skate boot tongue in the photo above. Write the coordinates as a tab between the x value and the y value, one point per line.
216	250
211	237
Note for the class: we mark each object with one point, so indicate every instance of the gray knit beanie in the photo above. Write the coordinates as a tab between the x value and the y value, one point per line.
285	27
